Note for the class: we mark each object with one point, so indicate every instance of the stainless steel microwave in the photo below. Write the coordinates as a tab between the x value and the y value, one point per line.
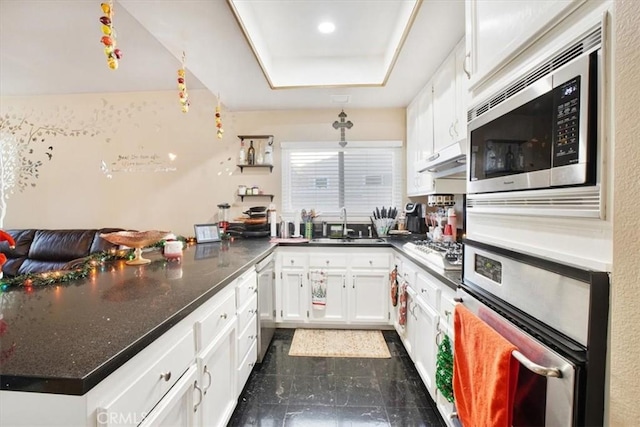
541	132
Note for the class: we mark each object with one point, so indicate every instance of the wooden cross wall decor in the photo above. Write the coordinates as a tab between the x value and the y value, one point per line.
342	125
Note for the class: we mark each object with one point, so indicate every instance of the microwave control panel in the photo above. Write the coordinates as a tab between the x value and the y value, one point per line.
566	123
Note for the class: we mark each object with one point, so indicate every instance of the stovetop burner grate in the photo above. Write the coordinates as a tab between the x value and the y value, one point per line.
442	255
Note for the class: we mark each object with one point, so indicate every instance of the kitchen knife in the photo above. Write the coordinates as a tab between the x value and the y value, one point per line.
377	213
384	212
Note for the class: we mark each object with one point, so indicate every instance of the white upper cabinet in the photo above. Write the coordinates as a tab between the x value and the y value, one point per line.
450	99
497	30
419	141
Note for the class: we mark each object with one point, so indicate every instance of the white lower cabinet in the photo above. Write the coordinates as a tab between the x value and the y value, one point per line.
217	366
369	299
177	408
356	283
294	301
335	308
425	347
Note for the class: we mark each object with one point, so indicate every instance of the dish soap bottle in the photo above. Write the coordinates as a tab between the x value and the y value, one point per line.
251	155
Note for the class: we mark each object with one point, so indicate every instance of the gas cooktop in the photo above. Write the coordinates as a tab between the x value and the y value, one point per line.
442	255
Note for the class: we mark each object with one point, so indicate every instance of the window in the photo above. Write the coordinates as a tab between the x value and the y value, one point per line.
325	177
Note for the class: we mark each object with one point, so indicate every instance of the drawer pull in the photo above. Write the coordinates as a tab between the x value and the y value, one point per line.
223	316
250	337
208	374
291	262
423	290
166	376
195	386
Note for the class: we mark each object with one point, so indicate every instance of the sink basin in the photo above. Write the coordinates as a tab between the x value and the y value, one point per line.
348	240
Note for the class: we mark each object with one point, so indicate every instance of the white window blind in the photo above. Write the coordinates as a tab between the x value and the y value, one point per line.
359	177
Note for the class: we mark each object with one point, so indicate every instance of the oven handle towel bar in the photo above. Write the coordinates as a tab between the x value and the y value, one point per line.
533	367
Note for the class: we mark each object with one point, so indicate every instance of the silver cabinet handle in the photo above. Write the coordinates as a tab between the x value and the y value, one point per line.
223	316
464	65
165	376
433	157
208	374
195	386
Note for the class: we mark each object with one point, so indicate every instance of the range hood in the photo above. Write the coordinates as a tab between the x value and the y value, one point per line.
450	162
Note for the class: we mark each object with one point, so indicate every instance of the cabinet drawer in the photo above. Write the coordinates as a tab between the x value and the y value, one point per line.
246	366
246	287
427	290
215	321
293	260
247	337
147	390
377	261
325	260
447	307
246	312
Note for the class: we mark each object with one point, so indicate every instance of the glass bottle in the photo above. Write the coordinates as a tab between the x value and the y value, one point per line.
242	156
251	154
509	160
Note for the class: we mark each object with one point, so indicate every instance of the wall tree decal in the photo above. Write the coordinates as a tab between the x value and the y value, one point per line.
23	149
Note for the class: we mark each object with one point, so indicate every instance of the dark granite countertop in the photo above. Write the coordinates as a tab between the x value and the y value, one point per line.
67	338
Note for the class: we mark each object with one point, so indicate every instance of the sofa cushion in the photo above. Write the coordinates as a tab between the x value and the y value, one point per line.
61	245
17	256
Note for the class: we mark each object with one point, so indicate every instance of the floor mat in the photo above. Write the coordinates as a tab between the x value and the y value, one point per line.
339	343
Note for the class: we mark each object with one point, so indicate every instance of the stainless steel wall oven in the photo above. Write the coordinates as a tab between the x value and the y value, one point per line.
557	317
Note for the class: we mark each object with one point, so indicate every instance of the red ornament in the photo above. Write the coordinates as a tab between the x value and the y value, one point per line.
106	40
117	53
105	20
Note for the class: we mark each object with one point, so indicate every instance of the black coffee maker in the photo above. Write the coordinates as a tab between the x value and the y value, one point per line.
415	218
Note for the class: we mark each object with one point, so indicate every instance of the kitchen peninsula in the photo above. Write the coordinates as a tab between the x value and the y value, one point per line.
77	348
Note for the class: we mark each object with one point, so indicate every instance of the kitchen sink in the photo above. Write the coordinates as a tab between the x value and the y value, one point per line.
348	240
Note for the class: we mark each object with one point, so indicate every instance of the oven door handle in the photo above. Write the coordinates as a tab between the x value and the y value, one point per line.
534	367
524	360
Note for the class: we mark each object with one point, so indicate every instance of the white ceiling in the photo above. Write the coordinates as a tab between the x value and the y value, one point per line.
53	47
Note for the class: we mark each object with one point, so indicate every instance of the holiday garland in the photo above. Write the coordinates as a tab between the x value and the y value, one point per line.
219	130
83	269
444	369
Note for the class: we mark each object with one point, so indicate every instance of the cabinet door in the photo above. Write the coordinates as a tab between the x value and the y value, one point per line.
295	297
444	103
413	153
368	297
462	92
177	407
425	346
218	368
514	25
335	309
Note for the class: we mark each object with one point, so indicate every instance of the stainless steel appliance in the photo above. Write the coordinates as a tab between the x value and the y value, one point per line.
415	218
556	315
540	132
266	304
445	256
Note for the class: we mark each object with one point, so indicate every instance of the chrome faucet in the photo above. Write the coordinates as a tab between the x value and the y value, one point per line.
343	217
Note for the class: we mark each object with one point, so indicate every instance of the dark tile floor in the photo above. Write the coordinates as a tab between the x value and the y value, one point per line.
317	391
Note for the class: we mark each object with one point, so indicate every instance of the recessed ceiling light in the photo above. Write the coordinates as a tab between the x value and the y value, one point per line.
326	27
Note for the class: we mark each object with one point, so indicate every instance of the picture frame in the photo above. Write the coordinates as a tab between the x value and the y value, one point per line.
206	233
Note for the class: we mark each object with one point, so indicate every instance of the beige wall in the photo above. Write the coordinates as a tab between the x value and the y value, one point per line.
74	190
625	316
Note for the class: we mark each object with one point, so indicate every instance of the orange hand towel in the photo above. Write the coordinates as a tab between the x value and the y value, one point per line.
485	375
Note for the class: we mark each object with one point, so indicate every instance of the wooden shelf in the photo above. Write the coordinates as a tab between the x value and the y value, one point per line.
255	166
242	196
243	137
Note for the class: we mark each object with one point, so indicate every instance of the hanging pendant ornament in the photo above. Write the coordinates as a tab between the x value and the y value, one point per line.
108	39
219	130
182	87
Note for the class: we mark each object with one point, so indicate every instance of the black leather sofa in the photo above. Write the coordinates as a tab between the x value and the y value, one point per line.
39	250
